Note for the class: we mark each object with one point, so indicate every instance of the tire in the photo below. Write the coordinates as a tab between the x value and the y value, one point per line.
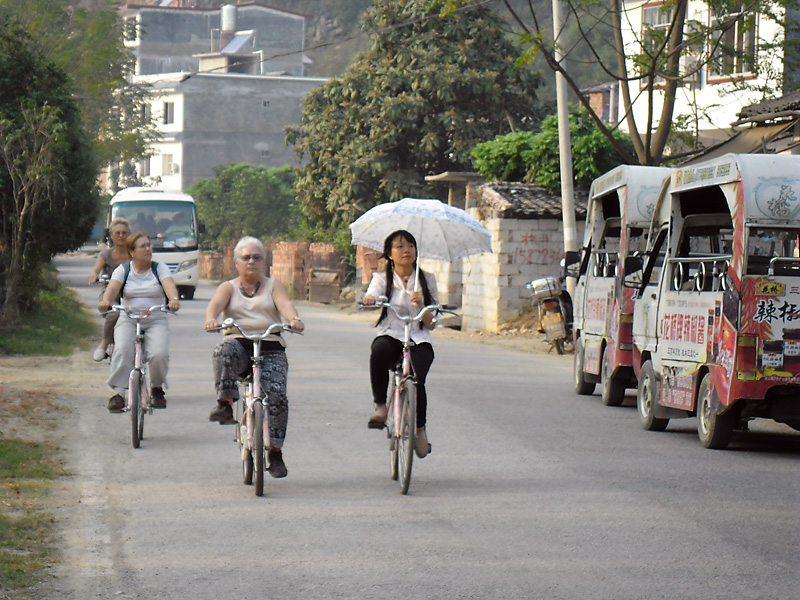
393	445
612	390
247	456
647	398
186	292
559	346
134	404
408	433
257	449
582	387
714	430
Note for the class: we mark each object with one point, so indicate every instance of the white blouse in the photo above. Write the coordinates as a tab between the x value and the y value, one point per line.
401	300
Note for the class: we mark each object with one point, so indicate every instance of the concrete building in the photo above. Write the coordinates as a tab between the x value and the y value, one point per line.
169	39
210	119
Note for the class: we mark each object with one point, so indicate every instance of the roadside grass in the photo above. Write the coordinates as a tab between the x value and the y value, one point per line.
28	467
55	327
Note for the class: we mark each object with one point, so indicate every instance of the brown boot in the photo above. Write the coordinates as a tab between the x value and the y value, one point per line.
378	420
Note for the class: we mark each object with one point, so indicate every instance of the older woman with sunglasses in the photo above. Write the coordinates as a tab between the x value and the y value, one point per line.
255	302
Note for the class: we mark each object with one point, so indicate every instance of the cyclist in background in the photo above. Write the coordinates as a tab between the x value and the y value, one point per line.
397	283
108	260
255	302
142	283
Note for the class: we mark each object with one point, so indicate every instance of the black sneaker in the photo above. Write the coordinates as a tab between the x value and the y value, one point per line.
223	413
276	467
116	404
157	395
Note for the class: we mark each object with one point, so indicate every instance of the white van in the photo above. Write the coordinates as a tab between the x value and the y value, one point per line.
170	218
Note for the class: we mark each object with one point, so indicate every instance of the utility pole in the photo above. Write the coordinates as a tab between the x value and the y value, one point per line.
564	144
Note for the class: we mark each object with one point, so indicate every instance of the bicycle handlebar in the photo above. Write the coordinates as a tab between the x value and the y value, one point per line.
141	315
383	301
271	330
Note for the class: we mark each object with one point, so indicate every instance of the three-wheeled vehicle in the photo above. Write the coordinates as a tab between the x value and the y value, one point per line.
619	211
716	323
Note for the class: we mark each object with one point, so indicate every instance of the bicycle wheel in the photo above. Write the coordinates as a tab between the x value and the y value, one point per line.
390	431
144	400
244	448
408	433
257	449
134	403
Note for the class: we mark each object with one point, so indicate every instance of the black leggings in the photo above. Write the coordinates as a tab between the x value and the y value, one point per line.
384	354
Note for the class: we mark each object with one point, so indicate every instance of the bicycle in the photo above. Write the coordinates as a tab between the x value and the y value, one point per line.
401	419
140	401
252	415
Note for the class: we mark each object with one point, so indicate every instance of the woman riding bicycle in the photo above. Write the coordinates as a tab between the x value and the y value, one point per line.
398	284
255	302
142	284
108	260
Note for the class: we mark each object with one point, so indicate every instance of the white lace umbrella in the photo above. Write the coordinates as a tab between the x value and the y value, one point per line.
443	232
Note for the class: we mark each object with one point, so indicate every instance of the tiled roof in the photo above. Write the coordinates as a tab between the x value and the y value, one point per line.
526	201
788	102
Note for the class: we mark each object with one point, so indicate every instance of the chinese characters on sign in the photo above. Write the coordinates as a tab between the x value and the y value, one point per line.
537	249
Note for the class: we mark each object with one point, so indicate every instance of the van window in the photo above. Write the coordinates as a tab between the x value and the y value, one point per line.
765	243
652	271
606	256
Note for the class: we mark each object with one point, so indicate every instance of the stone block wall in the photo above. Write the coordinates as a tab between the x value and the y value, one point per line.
494	284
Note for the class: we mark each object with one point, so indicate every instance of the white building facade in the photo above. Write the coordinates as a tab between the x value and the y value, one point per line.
707	92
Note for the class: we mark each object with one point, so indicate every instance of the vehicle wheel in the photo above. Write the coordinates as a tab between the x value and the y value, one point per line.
715	430
582	387
257	450
134	403
612	389
408	433
559	346
186	292
647	398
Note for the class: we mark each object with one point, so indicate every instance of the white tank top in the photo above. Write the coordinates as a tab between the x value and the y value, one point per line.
253	314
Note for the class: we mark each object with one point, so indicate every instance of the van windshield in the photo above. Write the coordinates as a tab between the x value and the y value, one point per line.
170	224
765	243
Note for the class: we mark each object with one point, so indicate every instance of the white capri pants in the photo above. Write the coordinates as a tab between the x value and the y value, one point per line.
156	348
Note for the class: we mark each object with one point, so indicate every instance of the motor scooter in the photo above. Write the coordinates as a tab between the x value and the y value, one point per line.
555	311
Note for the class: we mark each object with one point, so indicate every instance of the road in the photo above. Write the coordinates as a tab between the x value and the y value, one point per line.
530	492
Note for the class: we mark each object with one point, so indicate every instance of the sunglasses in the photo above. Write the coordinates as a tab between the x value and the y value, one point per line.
249	257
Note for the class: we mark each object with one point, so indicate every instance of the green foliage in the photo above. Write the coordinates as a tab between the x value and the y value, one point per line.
592	152
63	219
243	200
413	105
87	45
525	156
501	159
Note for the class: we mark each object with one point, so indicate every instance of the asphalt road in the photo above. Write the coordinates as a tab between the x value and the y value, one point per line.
530	492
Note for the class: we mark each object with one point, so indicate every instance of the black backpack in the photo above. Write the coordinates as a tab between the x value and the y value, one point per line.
153	267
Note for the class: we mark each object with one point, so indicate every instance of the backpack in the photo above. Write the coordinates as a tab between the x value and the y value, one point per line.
153	267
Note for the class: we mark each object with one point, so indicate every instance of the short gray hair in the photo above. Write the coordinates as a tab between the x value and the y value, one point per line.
249	241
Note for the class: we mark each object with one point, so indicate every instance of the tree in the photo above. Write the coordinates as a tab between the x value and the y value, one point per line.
415	104
668	51
533	157
243	200
85	39
48	197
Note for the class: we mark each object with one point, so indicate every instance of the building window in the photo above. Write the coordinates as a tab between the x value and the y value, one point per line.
168	115
266	104
656	19
146	113
167	166
144	167
733	44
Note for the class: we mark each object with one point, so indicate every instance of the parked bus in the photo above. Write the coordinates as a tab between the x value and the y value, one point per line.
170	217
619	211
716	313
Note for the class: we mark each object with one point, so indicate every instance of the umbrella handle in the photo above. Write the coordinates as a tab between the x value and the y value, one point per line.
416	277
